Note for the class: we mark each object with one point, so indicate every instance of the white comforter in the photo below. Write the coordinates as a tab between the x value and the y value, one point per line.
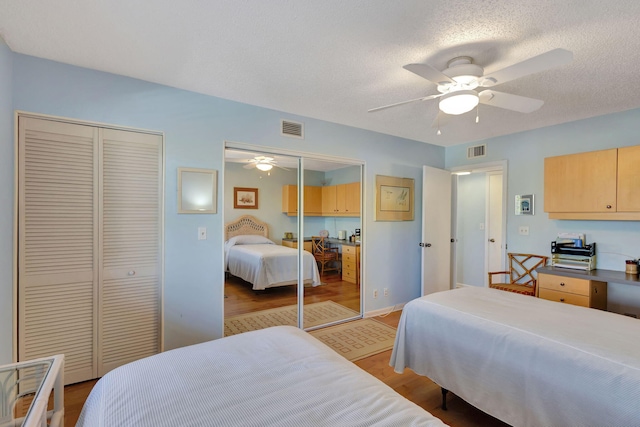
526	361
268	265
279	376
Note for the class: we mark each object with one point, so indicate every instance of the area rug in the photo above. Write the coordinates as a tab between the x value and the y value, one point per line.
315	314
358	339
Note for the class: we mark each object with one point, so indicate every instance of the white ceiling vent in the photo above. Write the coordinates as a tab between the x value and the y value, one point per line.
477	151
292	129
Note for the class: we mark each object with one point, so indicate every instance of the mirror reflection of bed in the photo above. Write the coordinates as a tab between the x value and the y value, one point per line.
261	257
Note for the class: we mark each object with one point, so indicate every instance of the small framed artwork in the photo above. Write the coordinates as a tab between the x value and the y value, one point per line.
394	198
197	191
524	204
245	198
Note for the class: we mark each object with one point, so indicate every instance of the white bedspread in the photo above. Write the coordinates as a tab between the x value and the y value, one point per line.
526	361
270	265
279	376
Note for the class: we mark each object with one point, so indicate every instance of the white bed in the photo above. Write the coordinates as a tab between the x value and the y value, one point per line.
279	376
526	361
251	256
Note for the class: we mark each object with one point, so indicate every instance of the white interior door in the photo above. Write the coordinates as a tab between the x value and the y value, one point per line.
495	235
436	230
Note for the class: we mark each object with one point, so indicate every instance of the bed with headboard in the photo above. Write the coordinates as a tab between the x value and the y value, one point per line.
524	360
253	257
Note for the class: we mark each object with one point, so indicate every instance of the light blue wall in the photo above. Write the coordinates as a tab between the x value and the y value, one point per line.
6	204
195	128
525	153
471	209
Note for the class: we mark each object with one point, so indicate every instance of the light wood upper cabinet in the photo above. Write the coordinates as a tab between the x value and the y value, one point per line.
331	200
628	179
329	206
352	196
312	200
597	185
341	200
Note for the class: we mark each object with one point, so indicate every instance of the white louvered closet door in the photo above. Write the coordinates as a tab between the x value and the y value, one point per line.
130	258
57	240
89	245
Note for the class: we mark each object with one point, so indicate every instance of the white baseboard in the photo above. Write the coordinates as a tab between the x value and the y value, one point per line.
383	311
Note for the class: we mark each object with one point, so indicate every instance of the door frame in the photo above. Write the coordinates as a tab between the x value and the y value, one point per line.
499	165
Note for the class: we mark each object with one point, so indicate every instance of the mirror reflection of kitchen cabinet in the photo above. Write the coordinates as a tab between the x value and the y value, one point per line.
341	199
312	200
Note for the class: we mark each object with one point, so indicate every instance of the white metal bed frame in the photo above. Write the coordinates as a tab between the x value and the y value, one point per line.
36	377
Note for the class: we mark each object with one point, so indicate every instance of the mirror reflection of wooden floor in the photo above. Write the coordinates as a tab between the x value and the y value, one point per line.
241	299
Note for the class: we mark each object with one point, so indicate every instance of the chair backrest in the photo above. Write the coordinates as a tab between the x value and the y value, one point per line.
318	245
522	267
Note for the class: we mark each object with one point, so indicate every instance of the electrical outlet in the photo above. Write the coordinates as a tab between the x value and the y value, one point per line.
523	230
375	293
386	292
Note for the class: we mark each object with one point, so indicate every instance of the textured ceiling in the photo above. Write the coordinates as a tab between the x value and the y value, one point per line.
333	60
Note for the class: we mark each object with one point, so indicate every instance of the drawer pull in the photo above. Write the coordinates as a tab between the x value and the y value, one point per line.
561	299
561	283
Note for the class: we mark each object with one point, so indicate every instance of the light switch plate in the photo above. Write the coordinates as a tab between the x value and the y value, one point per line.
202	233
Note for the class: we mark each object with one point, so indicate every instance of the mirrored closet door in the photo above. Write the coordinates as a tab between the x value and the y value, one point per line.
288	249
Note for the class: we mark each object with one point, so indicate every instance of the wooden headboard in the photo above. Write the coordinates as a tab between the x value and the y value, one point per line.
246	224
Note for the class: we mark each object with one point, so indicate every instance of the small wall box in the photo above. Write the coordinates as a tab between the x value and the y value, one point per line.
524	204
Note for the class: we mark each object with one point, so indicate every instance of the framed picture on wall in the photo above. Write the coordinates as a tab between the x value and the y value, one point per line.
394	198
524	204
245	198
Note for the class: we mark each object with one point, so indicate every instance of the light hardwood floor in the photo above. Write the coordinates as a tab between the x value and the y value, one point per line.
418	389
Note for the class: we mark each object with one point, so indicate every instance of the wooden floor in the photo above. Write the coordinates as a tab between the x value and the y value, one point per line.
420	390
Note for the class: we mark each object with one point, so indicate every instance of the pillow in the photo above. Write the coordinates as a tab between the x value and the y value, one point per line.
249	239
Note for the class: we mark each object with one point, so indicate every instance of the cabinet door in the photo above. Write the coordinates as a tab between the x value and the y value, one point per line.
628	179
290	199
329	200
353	199
312	200
341	198
584	182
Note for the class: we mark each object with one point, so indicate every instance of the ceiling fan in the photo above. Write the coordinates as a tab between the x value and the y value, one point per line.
458	83
263	163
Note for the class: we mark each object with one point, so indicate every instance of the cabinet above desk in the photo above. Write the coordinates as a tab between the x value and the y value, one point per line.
333	200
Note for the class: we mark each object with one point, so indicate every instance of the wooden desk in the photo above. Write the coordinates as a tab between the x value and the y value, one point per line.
579	287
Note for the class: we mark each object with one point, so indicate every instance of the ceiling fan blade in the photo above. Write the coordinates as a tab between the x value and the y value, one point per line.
545	61
250	165
428	72
509	101
282	167
424	98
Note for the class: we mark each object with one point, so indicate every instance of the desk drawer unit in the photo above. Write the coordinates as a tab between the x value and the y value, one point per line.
351	263
571	290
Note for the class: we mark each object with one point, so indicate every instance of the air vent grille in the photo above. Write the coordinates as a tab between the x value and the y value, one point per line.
477	151
292	129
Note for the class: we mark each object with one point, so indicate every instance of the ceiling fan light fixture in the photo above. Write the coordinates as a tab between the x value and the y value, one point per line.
459	102
264	166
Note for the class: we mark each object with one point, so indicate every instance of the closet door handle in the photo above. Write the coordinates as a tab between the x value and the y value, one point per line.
131	273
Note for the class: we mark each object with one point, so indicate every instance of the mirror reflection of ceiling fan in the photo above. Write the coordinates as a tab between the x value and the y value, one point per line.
458	83
263	163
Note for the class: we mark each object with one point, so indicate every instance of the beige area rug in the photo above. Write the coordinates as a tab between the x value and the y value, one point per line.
358	339
315	314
